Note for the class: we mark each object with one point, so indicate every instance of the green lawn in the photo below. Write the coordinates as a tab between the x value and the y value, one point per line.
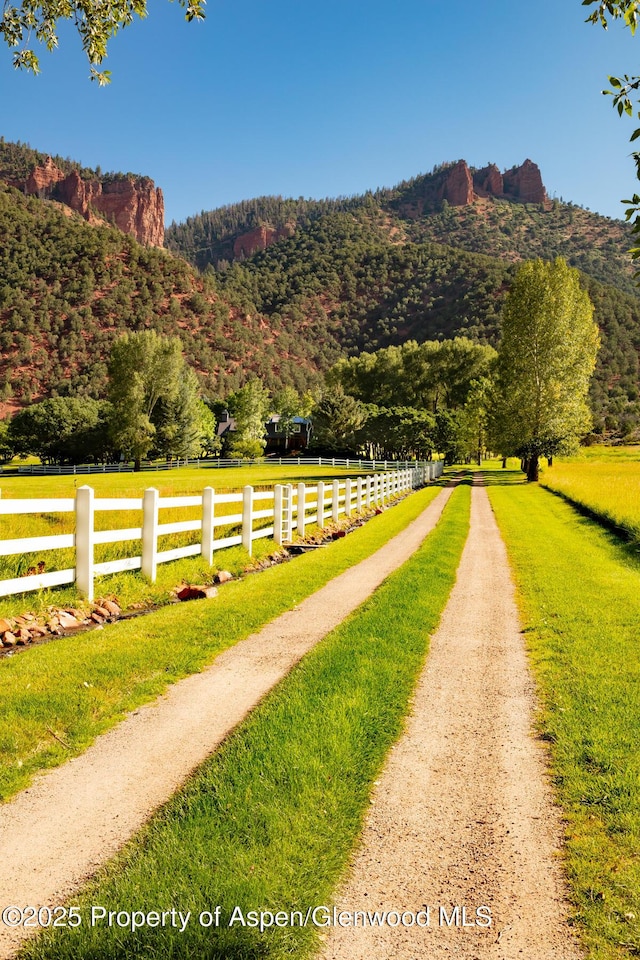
269	822
76	687
603	480
579	594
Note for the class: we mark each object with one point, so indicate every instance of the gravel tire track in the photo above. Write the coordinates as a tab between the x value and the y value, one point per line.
55	834
463	813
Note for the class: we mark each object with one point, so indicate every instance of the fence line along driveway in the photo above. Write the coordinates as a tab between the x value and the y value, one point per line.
73	818
278	513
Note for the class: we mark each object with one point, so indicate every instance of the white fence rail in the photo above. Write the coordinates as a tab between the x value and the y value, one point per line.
81	469
280	513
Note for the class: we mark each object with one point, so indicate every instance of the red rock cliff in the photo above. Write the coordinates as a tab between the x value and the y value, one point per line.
488	182
525	183
260	238
457	187
133	204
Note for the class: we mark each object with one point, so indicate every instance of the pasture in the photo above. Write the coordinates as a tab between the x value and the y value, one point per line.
579	594
604	480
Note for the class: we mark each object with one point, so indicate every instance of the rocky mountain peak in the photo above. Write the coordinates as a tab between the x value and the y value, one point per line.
134	204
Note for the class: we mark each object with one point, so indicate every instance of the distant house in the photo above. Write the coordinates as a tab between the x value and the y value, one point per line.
279	440
226	424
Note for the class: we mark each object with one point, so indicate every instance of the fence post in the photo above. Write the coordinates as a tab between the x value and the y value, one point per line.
369	484
359	494
302	505
335	501
277	514
288	532
208	511
320	503
347	497
85	512
247	518
150	533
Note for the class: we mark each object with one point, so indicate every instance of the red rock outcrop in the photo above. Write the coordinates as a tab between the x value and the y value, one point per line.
42	179
457	187
524	183
260	238
133	204
488	182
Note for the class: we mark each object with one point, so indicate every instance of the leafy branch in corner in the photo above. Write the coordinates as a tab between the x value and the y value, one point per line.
623	89
95	20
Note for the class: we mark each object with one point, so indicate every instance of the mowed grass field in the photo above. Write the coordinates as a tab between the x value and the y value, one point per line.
57	697
268	823
604	480
579	593
131	587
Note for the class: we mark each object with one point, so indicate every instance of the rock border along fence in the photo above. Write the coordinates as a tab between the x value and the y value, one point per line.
287	509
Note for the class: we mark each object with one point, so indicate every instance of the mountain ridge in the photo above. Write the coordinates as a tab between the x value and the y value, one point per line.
316	280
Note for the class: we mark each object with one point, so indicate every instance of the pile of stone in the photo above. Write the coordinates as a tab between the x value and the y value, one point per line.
58	621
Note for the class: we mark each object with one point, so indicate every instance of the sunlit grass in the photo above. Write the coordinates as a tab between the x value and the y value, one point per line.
269	822
604	480
79	686
579	594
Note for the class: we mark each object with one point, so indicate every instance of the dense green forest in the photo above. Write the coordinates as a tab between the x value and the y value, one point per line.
349	275
67	290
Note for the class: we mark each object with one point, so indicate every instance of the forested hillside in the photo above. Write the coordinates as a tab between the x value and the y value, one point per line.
326	279
368	293
67	290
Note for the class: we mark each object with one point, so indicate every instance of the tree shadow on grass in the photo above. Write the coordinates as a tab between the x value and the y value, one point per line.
624	541
499	478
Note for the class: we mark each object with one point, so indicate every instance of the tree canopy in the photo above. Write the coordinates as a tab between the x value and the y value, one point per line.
546	358
154	396
39	20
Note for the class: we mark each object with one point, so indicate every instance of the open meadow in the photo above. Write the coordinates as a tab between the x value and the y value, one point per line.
603	480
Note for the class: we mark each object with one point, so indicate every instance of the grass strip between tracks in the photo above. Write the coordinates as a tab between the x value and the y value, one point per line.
57	697
579	593
268	823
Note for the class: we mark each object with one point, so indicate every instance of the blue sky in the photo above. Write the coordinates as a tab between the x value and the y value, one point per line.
332	98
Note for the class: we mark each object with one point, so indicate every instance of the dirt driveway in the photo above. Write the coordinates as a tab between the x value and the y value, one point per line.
54	835
462	815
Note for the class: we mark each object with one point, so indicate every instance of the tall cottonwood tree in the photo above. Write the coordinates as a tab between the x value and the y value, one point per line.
150	387
545	361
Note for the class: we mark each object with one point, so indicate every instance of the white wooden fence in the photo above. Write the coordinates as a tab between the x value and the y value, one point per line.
82	469
286	509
